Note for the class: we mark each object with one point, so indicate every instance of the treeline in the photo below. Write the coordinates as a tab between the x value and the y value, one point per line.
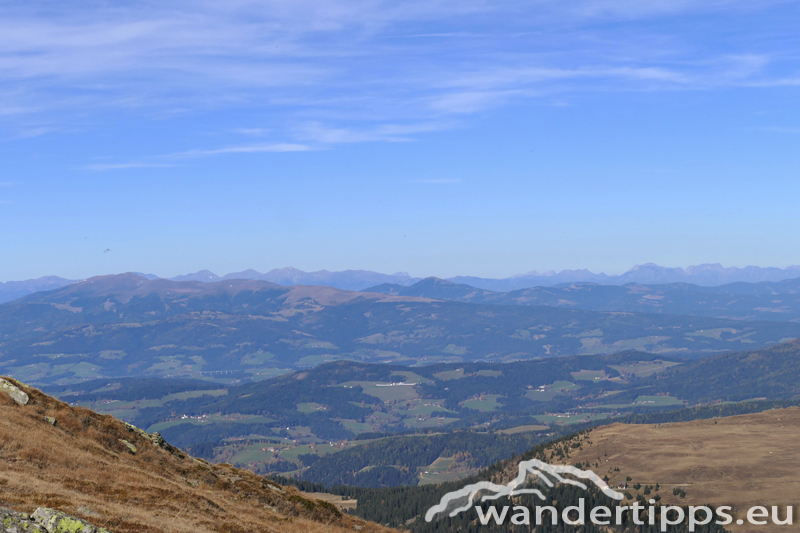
394	461
708	411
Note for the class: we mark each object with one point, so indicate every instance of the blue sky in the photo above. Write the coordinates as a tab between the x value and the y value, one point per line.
438	137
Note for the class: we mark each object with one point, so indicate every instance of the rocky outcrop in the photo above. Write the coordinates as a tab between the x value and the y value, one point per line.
12	390
13	522
155	438
44	520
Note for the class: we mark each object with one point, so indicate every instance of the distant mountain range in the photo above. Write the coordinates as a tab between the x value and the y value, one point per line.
347	279
127	325
707	275
775	301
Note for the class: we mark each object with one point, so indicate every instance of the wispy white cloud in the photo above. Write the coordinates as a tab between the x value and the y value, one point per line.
385	132
245	149
336	71
168	160
102	167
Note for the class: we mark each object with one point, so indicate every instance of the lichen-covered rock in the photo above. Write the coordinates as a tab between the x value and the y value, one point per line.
16	394
58	522
13	522
131	447
50	420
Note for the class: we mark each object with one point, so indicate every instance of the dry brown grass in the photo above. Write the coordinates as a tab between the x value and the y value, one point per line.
741	461
80	466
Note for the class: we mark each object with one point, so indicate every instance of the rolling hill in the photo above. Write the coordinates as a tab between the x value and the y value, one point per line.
11	290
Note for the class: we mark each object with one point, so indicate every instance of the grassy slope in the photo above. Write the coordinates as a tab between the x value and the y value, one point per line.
81	466
741	461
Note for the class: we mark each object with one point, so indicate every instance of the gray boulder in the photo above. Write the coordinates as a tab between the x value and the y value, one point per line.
16	394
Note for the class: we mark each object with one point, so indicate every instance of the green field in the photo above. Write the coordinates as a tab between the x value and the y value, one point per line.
523	429
418	408
435	479
384	391
409	377
642	369
715	333
589	375
244	419
564	385
487	402
310	407
194	394
641	401
551	391
450	374
569	419
657	400
356	427
540	395
442	469
429	423
454	349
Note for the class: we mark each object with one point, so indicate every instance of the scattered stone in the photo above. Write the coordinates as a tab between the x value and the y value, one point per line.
50	420
16	394
130	446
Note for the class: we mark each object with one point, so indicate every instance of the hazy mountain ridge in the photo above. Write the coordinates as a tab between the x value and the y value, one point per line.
778	301
649	273
127	325
703	275
11	290
347	279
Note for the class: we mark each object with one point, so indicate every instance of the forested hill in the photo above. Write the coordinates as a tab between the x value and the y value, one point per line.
771	373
